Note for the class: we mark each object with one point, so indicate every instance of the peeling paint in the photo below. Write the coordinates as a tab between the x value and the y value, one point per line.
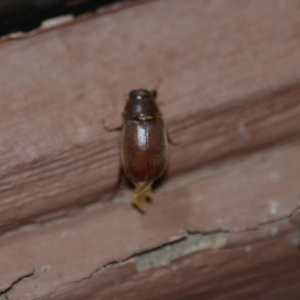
45	269
193	242
295	239
275	176
187	244
248	248
242	128
274	230
273	207
67	233
57	21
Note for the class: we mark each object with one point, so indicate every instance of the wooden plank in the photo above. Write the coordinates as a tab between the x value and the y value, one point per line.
230	84
231	79
239	212
203	275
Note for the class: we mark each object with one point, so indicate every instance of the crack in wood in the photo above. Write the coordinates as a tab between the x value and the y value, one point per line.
193	242
189	243
14	283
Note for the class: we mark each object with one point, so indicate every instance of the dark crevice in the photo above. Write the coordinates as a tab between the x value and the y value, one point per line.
26	15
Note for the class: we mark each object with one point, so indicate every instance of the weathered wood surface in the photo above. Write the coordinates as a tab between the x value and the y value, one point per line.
244	208
231	84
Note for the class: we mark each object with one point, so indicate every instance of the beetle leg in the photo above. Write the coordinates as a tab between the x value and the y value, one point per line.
154	94
122	181
110	129
154	91
171	141
140	196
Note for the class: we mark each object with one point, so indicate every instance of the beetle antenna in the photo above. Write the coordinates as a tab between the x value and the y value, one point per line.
154	90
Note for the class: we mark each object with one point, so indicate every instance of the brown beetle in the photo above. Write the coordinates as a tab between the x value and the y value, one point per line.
144	145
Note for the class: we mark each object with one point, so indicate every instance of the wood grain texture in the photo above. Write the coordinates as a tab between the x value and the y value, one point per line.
230	85
94	255
204	275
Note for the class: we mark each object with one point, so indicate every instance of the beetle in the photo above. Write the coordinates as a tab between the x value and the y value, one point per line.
144	144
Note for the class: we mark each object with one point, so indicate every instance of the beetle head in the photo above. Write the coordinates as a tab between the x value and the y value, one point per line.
141	104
